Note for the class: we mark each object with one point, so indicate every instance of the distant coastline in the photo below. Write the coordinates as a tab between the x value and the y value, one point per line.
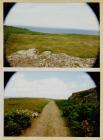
60	30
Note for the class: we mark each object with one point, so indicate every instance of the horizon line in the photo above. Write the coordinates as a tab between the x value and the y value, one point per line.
51	27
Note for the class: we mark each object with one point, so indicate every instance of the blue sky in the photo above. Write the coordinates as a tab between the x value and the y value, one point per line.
47	84
53	15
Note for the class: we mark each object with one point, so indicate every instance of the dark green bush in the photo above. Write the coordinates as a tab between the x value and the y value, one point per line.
77	112
15	122
12	129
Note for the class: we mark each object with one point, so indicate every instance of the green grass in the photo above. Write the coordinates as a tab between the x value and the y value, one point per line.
33	104
84	46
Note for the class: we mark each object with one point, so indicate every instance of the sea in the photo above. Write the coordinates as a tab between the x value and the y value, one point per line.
61	30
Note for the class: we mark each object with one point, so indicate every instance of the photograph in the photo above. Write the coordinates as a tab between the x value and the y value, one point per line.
52	104
56	35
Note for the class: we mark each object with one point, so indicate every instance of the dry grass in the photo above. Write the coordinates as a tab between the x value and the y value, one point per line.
34	104
84	46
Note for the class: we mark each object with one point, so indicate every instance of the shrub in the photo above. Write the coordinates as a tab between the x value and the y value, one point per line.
12	129
78	112
15	122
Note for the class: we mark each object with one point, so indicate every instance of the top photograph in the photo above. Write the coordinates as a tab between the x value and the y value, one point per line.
54	35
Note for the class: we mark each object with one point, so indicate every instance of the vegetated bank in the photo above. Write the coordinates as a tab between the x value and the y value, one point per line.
82	112
19	112
66	45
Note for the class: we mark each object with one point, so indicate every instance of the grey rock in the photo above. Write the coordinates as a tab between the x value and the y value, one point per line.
32	58
46	54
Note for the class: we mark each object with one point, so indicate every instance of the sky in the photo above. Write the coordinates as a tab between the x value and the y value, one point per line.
47	84
63	15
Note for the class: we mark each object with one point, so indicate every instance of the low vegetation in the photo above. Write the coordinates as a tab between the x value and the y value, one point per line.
33	104
19	112
15	122
83	46
82	115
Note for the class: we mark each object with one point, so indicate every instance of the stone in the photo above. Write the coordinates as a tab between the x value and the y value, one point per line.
21	52
30	52
33	58
46	54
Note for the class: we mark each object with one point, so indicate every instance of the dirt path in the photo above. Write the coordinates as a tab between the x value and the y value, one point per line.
50	123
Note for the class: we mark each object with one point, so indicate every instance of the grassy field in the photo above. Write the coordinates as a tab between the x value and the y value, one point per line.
35	104
83	46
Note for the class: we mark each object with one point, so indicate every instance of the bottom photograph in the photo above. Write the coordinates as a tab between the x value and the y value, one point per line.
52	104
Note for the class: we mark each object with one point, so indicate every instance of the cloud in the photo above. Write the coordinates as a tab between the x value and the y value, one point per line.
49	88
77	15
54	85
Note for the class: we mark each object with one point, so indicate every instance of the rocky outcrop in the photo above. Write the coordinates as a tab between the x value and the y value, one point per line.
32	58
86	95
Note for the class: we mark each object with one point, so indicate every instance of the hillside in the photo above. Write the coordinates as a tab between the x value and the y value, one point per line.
82	112
50	50
86	95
